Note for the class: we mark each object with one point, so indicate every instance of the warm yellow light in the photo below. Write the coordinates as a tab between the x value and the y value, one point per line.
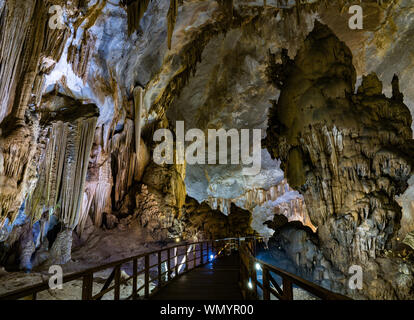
177	239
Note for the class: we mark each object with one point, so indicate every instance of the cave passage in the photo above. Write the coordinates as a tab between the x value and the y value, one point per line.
135	132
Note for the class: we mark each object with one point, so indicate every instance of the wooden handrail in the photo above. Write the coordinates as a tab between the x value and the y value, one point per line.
248	260
87	275
248	275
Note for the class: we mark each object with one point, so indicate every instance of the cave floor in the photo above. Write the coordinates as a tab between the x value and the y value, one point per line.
217	280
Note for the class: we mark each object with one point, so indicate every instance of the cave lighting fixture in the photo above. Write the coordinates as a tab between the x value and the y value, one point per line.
249	284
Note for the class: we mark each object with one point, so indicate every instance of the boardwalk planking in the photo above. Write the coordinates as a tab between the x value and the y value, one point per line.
217	280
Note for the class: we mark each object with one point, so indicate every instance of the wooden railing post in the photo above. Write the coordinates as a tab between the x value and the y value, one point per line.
202	254
266	283
147	276
87	287
117	289
287	289
194	256
186	257
254	277
169	264
134	279
159	268
177	261
255	246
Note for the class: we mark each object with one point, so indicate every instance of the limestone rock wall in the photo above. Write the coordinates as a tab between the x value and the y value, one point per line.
296	248
264	204
202	222
29	49
348	153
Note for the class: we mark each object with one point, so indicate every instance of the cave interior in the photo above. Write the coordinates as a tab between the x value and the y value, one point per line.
130	125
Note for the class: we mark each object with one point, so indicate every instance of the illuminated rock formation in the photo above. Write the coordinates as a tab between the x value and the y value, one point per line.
264	204
28	51
348	153
68	137
202	222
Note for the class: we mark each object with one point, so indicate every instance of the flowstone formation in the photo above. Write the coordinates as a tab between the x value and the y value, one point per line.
348	153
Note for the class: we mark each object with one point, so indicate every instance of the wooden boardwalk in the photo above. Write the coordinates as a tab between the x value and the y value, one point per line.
217	280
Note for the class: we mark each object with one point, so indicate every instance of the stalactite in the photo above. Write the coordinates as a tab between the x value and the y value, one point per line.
121	165
136	10
127	166
172	18
17	148
65	162
98	186
76	166
33	48
227	7
14	25
138	104
79	56
298	9
25	40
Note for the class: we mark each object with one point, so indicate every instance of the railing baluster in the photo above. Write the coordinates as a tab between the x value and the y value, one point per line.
147	276
117	289
186	258
159	268
287	289
247	247
87	287
266	283
254	277
135	279
177	262
169	264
